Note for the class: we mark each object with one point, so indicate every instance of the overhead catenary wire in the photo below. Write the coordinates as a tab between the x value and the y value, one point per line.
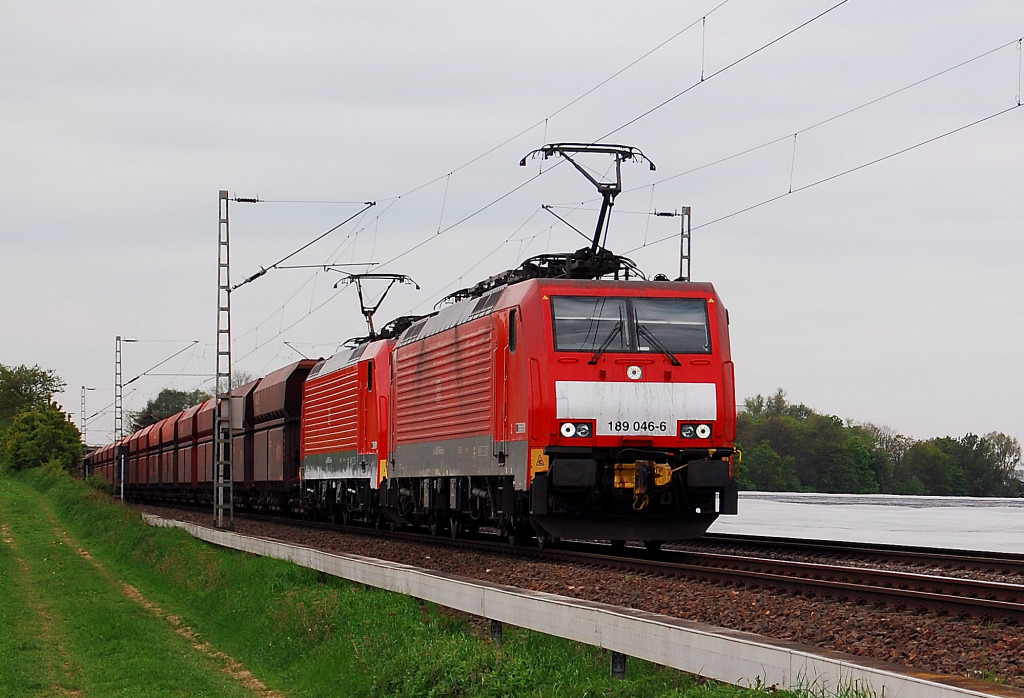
721	70
263	270
279	265
837	175
190	345
458	281
462	220
837	116
292	325
793	135
634	120
586	93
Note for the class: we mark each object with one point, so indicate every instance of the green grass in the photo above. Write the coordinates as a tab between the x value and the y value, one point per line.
301	634
69	629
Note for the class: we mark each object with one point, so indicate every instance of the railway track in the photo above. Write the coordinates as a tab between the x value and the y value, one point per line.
954	561
887	588
899	590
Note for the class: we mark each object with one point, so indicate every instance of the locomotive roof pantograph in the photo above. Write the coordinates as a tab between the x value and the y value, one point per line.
593	262
369	307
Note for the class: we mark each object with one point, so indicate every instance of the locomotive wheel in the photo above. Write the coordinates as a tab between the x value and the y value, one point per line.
513	533
545	540
618	546
434	524
653	546
454	524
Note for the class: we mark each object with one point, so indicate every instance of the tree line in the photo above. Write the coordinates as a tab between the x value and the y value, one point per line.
791	448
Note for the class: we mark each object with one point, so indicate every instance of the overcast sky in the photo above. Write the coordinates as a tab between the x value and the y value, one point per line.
886	291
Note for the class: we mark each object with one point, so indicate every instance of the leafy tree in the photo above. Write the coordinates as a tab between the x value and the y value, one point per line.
887	453
819	451
987	463
166	403
764	469
1007	459
775	406
24	388
928	468
38	436
848	469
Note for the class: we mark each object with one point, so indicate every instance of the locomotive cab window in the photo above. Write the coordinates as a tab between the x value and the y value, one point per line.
657	325
680	325
586	324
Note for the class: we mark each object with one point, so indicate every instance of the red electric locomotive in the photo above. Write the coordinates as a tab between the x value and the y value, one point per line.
584	409
544	401
562	399
344	431
557	407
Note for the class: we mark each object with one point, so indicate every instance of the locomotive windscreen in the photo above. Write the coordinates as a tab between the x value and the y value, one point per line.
599	323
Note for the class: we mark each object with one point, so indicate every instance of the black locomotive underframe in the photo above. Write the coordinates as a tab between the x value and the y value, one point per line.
575	498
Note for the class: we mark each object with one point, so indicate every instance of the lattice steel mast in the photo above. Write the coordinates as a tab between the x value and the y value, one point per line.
119	453
223	499
684	245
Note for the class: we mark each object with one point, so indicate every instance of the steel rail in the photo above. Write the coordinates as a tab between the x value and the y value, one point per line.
899	590
992	562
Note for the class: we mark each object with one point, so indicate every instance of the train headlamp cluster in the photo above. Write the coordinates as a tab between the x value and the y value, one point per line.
582	430
695	431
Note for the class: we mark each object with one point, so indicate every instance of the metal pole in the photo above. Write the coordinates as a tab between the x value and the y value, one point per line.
81	422
118	415
222	448
684	244
85	441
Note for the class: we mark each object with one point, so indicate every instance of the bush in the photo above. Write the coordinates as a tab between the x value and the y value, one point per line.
98	482
38	436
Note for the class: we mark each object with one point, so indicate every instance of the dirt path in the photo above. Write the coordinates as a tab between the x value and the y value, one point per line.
227	664
60	670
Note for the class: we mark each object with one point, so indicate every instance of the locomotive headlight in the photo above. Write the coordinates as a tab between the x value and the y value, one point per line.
695	431
581	430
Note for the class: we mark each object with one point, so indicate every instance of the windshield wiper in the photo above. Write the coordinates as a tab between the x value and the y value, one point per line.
615	332
649	336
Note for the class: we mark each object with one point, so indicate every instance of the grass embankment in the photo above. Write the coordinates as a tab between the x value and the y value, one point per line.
93	603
